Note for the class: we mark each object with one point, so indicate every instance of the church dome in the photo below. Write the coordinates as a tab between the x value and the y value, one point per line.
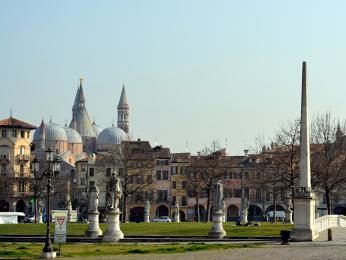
97	129
110	138
73	137
53	132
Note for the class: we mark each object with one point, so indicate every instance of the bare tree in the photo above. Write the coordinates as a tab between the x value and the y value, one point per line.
213	167
328	156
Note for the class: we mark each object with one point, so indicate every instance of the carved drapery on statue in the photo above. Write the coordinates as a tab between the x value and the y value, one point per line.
93	198
114	192
218	196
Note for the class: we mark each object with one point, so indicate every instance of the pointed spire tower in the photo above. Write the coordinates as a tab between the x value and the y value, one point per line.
42	133
81	121
123	112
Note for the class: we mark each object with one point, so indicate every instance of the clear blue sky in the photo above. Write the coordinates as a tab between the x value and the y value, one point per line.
194	70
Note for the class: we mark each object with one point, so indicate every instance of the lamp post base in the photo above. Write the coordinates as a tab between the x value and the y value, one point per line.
48	255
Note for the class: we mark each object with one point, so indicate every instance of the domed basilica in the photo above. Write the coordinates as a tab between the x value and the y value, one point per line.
82	136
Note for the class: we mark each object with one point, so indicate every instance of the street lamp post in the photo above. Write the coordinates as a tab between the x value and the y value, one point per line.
50	172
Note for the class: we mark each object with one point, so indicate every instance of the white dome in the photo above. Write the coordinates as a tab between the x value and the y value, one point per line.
110	138
73	137
53	132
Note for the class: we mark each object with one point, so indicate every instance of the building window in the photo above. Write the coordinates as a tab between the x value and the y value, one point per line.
246	193
22	134
14	133
158	175
174	198
21	168
91	172
91	183
164	175
174	184
246	175
3	168
174	170
183	201
4	134
108	172
237	193
258	194
162	195
149	195
22	150
28	134
267	196
139	197
82	181
21	186
183	185
258	175
149	179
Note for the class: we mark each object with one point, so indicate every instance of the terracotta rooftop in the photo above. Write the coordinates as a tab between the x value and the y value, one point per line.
15	123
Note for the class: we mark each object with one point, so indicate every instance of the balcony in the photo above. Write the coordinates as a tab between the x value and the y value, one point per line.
4	157
23	157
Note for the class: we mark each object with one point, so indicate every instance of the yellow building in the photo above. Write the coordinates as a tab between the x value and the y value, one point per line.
14	164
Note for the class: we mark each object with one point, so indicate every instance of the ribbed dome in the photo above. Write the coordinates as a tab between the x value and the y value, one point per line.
72	136
53	132
98	129
110	137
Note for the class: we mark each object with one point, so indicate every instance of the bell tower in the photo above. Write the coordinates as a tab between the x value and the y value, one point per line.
123	112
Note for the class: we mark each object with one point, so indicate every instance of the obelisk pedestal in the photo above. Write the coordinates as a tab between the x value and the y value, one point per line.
113	233
217	231
93	227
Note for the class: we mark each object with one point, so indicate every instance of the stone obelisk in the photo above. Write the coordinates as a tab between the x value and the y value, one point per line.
304	199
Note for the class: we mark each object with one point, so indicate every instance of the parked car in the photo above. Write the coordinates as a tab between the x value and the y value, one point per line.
163	219
29	219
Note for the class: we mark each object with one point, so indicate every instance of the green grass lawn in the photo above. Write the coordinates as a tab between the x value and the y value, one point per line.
147	229
33	250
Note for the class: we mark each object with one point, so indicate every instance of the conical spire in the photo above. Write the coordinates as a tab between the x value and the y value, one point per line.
123	99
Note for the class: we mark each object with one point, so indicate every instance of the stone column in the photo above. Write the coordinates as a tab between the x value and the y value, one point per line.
113	233
304	199
147	211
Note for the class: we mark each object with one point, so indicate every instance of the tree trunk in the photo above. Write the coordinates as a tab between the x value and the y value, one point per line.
197	205
329	208
206	217
274	212
125	210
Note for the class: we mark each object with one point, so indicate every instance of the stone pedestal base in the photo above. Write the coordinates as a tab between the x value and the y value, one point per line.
93	226
244	218
48	255
146	217
288	216
304	217
176	218
113	233
217	230
39	218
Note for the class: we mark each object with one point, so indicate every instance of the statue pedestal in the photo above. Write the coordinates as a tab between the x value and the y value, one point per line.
304	217
217	230
49	255
93	226
244	217
113	233
176	218
146	217
39	218
288	216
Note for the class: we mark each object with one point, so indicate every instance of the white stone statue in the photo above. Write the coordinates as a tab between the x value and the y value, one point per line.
93	198
176	212
115	191
218	196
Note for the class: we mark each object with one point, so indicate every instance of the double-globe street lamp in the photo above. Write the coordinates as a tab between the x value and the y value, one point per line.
51	171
